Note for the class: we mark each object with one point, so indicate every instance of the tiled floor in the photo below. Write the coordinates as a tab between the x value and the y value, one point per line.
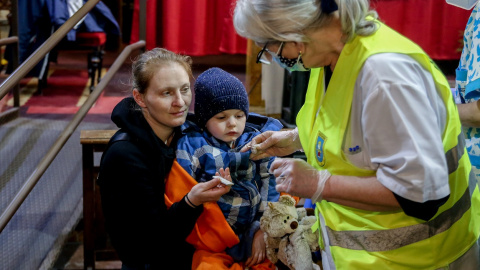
71	255
76	262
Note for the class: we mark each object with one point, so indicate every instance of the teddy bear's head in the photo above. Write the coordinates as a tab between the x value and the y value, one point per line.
280	218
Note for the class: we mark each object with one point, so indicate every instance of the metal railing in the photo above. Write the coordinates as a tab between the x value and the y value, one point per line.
46	47
65	135
8	40
23	70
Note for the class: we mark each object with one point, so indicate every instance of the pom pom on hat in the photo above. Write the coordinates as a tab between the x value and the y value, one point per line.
216	91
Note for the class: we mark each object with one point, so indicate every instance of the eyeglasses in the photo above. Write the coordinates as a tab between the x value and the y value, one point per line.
264	59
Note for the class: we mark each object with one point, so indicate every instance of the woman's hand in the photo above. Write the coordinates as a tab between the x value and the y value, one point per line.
210	191
258	249
274	143
298	178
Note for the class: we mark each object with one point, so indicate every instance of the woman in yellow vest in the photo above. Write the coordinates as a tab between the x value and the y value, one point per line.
386	161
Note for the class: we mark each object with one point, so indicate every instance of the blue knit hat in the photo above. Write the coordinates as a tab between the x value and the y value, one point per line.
216	91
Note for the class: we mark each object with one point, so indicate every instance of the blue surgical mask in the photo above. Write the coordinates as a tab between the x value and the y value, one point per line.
291	64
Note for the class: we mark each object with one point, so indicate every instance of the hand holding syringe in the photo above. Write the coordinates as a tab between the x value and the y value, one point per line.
273	143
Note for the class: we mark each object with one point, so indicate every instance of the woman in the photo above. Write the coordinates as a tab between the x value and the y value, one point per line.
144	231
387	166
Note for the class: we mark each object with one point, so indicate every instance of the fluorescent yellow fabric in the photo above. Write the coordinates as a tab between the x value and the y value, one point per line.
360	239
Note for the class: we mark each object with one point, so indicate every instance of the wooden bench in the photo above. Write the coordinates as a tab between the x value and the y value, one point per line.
95	240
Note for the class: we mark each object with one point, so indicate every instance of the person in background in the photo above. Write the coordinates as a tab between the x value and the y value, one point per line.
467	87
222	126
386	161
145	232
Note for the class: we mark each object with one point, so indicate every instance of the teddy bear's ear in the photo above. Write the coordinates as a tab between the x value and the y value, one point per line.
287	199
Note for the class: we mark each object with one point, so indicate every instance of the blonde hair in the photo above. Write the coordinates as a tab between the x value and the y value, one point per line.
146	63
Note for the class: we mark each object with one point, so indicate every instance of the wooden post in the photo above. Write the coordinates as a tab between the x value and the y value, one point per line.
94	234
253	78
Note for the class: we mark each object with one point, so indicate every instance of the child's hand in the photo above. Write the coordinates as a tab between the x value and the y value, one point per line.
258	249
210	191
224	176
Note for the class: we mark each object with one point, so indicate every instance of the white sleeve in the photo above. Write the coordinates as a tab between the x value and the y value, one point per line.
402	118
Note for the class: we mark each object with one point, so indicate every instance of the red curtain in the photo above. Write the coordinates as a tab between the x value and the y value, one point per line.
151	25
434	25
204	27
192	27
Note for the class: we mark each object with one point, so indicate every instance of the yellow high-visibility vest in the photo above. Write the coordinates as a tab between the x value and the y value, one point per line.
359	239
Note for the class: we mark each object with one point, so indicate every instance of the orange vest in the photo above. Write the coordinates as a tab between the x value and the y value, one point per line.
211	232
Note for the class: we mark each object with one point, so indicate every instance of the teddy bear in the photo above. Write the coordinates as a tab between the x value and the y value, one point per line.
288	236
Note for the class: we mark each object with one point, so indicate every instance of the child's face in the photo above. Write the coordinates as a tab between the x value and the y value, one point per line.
228	125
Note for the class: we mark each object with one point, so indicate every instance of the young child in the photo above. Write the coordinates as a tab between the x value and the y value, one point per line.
223	126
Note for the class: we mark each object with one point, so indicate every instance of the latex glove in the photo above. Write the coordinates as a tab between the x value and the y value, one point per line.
298	178
273	143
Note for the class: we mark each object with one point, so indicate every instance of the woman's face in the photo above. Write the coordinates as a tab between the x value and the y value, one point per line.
166	101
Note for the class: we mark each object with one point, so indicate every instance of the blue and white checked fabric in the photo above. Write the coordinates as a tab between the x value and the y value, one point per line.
202	155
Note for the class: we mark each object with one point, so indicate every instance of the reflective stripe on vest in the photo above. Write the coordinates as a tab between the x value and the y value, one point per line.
453	155
383	240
